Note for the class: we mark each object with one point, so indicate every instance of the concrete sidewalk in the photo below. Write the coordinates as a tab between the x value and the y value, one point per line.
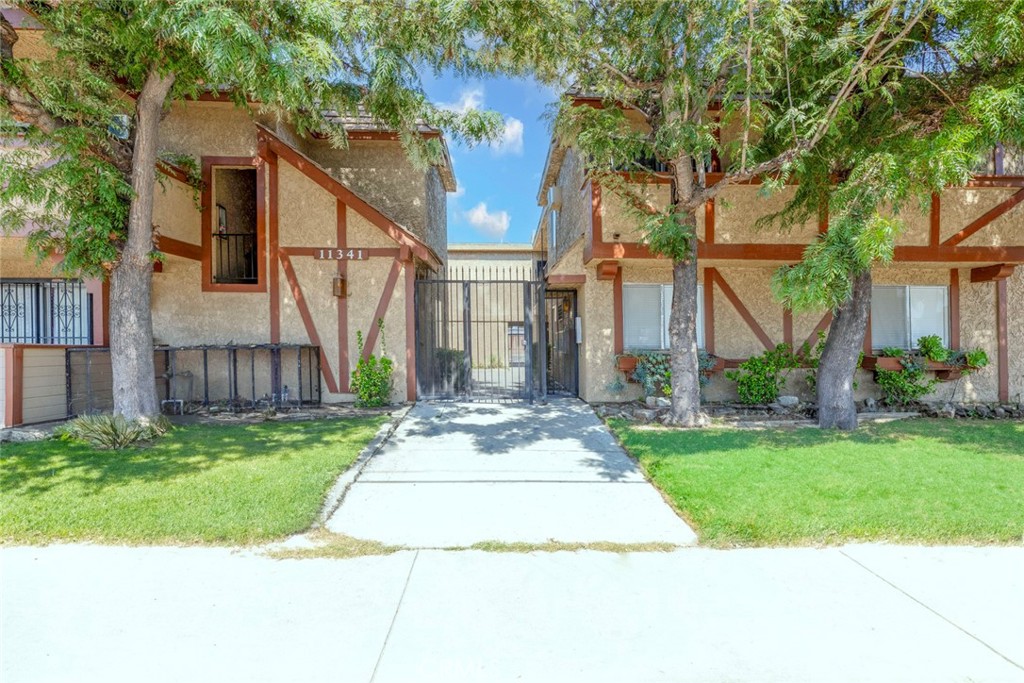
456	474
858	613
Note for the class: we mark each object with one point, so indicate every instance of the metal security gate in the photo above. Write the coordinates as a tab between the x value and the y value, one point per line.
561	338
480	336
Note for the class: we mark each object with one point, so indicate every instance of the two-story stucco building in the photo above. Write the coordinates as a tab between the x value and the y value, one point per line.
955	274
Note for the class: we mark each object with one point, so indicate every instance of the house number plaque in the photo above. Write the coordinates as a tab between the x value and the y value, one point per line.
339	255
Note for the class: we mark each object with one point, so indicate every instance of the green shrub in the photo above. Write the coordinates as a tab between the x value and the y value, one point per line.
902	387
759	378
975	358
930	346
113	431
371	380
893	352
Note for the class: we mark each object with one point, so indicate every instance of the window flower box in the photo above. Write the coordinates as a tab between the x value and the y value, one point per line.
943	371
627	362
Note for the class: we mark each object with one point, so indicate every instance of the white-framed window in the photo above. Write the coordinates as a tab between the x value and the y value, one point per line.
646	310
553	232
900	315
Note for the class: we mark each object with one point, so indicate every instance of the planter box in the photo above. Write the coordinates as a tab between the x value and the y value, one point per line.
627	364
943	371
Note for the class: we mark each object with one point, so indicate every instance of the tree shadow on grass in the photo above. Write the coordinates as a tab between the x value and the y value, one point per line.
36	468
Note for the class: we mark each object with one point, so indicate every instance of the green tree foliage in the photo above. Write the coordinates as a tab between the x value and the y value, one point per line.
663	75
949	88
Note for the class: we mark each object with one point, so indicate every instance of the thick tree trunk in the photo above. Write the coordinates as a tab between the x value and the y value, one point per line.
131	322
836	407
682	332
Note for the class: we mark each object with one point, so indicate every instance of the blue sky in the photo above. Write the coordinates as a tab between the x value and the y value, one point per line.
496	200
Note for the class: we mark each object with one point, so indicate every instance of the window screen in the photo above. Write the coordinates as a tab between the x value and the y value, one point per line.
902	315
646	311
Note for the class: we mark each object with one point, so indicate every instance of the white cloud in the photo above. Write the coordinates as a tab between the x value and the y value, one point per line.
511	140
492	224
460	190
469	99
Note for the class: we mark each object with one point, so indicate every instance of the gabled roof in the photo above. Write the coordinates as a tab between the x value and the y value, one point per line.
269	142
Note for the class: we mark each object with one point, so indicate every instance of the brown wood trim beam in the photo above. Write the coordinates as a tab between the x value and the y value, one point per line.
307	321
986	218
617	312
566	280
321	177
177	172
410	331
1000	271
274	274
737	304
935	226
1002	349
954	308
382	308
709	222
794	252
709	310
608	270
169	245
787	327
996	181
13	385
341	219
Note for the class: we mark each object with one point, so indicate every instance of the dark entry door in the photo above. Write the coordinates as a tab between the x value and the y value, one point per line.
480	338
562	350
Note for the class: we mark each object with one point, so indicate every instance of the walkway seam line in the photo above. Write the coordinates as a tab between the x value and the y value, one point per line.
929	608
394	617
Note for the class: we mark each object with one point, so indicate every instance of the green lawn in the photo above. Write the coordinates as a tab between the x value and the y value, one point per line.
235	484
920	481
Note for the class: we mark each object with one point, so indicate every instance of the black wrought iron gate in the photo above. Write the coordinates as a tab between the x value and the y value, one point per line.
480	335
561	340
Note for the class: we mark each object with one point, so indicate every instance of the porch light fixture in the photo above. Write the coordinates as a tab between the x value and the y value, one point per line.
339	286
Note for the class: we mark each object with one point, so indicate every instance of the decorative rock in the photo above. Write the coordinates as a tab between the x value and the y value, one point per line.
788	401
664	402
778	408
645	415
1000	412
870	405
651	402
948	411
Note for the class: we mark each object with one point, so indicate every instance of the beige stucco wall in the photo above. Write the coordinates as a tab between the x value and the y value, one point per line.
436	235
17	262
574	216
961	207
739	207
185	315
1015	333
208	129
734	338
380	172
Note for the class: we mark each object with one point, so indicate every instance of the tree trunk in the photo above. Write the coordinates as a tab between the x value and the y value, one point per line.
836	407
682	332
131	321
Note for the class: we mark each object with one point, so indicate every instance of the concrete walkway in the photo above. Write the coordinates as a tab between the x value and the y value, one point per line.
457	474
859	613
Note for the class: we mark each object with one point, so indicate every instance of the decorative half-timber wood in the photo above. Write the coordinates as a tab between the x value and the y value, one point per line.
1000	271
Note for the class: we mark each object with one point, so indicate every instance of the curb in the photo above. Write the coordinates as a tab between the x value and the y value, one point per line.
344	482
